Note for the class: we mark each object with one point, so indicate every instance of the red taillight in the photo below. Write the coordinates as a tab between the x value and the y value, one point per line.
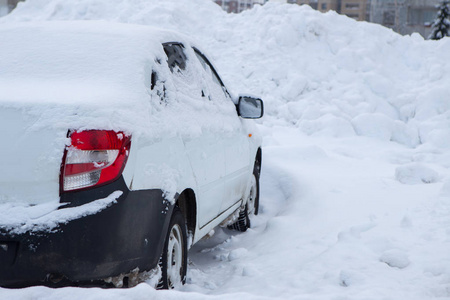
95	157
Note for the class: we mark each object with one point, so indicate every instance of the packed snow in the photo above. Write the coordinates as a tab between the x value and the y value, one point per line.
19	218
355	186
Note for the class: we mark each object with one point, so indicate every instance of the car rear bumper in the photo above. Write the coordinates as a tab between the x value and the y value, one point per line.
127	235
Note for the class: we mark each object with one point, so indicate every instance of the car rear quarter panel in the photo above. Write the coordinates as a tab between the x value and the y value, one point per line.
159	164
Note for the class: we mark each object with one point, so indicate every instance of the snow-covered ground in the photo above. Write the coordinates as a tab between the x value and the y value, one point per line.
355	199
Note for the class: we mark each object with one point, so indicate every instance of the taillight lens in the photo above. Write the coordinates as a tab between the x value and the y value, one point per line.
95	157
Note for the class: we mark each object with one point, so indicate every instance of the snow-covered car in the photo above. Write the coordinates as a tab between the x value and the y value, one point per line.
121	148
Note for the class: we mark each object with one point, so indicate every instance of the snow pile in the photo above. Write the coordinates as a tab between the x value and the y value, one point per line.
395	258
325	74
416	173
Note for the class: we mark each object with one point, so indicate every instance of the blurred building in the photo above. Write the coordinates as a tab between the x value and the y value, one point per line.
356	9
237	6
312	3
405	16
6	6
326	5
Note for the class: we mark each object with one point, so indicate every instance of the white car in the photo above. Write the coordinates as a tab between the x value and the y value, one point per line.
121	147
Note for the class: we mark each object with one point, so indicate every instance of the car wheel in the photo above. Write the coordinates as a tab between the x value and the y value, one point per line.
256	174
252	206
173	261
253	200
243	222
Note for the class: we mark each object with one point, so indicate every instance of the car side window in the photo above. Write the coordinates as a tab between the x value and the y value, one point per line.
217	87
184	71
176	58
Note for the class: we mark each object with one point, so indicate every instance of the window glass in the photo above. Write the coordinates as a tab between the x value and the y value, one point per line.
428	16
176	59
186	83
352	5
389	17
418	16
216	87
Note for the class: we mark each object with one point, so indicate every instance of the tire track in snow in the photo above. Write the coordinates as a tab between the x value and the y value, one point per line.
216	261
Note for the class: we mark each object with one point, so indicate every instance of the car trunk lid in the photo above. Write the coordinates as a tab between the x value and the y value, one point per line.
30	158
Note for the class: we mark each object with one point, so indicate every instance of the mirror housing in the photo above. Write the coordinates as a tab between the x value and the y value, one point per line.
250	107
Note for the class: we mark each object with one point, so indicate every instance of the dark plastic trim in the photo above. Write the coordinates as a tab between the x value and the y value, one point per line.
124	236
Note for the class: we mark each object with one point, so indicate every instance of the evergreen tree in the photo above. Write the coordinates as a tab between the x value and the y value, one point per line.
441	26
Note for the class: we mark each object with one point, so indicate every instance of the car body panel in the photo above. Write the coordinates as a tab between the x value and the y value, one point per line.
207	151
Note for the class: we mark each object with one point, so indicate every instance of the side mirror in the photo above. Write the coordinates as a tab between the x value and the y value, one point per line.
250	107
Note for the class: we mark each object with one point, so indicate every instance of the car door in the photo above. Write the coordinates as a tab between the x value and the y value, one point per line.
235	141
205	150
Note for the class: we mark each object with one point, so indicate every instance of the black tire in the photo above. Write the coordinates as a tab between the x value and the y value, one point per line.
252	206
256	211
256	173
173	261
243	222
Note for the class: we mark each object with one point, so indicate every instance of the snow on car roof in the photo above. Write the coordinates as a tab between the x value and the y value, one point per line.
96	75
70	55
